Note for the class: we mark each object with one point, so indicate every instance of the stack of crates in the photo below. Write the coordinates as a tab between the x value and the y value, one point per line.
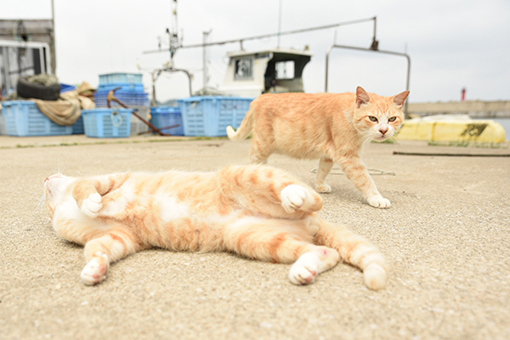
130	92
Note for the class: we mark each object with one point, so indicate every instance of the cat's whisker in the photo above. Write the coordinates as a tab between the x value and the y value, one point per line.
40	202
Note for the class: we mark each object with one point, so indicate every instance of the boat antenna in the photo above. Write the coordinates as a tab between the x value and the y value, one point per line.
173	33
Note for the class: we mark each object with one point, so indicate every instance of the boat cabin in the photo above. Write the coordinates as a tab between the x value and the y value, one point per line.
250	74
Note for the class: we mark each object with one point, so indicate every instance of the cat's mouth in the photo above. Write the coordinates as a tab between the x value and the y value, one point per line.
382	138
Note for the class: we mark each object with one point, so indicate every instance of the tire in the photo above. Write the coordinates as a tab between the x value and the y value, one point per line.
27	90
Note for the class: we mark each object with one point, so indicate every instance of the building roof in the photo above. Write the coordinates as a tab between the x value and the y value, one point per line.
274	51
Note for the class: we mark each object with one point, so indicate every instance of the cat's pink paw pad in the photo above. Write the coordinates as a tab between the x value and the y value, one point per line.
379	202
96	270
305	269
296	197
91	205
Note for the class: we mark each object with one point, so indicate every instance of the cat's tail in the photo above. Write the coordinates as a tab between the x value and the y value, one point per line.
243	131
357	251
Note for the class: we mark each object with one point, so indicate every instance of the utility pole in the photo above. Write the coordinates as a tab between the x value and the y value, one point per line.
53	46
279	23
204	58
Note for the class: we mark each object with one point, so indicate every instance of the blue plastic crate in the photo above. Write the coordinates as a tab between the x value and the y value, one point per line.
119	77
164	116
78	128
107	123
128	98
24	119
209	116
124	87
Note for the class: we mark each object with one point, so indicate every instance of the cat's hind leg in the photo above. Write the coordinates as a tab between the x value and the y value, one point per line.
312	263
109	247
261	148
325	165
281	242
355	250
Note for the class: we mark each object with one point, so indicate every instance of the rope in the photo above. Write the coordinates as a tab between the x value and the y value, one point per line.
450	154
112	116
372	172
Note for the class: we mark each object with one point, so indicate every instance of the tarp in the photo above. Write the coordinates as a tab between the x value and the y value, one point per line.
67	109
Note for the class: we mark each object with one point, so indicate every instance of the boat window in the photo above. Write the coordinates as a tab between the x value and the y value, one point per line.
285	69
243	69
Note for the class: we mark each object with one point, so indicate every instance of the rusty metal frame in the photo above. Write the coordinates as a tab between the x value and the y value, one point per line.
372	49
157	73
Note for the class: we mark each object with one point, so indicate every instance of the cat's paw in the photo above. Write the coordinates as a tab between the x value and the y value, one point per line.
305	269
312	263
91	205
96	270
296	197
378	201
375	277
323	188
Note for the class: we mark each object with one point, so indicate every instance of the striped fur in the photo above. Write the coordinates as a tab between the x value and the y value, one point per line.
256	211
331	127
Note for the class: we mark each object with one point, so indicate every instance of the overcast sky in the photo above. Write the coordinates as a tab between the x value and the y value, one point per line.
452	44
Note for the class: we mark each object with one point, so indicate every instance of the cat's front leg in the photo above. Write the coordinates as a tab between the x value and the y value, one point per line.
96	269
356	171
296	197
91	205
112	246
87	197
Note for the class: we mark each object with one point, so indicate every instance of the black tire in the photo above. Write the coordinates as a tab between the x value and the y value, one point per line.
27	90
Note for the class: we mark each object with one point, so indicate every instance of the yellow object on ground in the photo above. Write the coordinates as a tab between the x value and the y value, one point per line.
452	130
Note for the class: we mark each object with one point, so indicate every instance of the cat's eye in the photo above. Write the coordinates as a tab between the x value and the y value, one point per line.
372	118
392	119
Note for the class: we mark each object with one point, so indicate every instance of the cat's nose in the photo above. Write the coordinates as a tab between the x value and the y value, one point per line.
383	131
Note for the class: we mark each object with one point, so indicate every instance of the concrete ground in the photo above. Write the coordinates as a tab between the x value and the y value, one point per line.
446	237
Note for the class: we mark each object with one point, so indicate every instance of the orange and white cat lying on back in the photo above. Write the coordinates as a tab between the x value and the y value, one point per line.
255	211
332	127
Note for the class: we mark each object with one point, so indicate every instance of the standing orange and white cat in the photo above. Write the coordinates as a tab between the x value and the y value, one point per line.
331	127
255	211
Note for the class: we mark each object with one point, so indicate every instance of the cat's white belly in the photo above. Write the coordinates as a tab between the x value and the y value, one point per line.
300	149
307	153
171	208
300	154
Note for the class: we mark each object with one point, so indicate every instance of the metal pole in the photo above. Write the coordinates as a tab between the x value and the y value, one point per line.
279	23
204	59
327	67
53	46
269	35
375	27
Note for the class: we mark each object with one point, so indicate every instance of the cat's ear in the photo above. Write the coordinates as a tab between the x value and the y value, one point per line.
362	96
400	98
